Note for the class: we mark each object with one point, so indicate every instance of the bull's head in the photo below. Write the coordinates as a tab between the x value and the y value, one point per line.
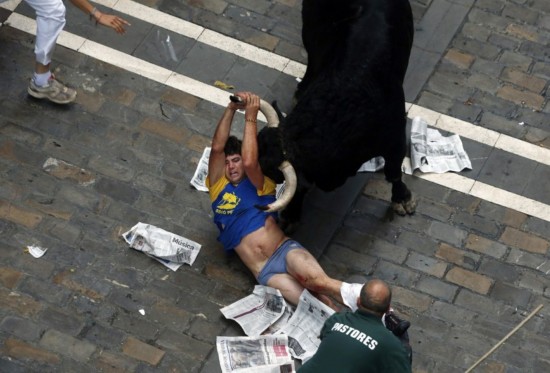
272	158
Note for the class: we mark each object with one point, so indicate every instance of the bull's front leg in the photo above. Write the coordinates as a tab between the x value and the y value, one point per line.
403	201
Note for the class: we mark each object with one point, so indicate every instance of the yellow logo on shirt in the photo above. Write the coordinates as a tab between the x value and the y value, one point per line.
229	202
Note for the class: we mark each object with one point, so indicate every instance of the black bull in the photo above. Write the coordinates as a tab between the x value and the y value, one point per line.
350	105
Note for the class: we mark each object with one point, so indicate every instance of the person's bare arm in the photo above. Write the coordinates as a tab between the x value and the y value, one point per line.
250	141
216	162
116	23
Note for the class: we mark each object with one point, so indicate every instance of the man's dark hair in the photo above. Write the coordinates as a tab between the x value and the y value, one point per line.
376	296
232	146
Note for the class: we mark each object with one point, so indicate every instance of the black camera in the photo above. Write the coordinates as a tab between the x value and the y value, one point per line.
394	324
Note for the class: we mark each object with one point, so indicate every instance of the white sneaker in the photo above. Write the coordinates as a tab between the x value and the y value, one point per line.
350	293
55	91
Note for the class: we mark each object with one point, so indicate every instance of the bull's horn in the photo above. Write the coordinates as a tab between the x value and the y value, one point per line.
290	188
270	114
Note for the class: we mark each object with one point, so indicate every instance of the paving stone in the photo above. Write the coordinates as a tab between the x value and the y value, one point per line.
351	259
373	226
516	60
476	223
134	324
86	284
80	197
66	345
111	362
537	226
477	303
504	41
456	256
21	328
21	350
523	80
9	277
470	280
44	291
437	288
19	215
171	340
28	265
447	233
206	331
507	216
411	299
517	11
164	313
421	244
535	283
523	258
434	209
426	264
510	294
524	241
499	270
50	206
142	351
105	336
519	97
62	321
451	313
395	274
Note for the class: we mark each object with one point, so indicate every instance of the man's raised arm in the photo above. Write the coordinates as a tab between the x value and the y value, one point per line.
216	162
250	142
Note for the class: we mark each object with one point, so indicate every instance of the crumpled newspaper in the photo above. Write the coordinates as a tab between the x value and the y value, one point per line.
168	248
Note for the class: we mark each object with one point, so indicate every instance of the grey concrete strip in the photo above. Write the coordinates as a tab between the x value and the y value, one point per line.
432	35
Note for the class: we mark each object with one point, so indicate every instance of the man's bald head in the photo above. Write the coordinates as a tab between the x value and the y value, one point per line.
375	297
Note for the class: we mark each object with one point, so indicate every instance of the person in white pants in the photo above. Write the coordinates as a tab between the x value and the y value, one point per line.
50	20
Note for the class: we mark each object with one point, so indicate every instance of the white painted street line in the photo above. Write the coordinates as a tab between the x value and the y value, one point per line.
206	36
489	193
215	95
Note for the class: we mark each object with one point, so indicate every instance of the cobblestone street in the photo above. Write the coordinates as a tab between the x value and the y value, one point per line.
467	268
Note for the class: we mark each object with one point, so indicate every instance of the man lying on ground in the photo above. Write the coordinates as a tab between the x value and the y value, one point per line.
236	184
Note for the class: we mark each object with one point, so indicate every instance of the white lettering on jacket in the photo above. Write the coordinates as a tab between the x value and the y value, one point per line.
359	336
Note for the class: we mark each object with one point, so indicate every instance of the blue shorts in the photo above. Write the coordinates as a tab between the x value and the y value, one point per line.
277	263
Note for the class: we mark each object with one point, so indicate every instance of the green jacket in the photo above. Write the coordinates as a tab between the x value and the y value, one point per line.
357	342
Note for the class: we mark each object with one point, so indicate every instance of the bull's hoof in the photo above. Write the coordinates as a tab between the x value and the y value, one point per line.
403	208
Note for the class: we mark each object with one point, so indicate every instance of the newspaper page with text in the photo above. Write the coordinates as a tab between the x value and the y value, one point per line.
256	312
253	354
304	326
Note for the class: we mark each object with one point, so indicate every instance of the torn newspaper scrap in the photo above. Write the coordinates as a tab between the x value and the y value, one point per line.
254	354
258	311
168	248
432	152
199	178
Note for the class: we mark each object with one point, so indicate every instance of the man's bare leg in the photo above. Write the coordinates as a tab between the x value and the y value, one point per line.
303	266
291	290
288	286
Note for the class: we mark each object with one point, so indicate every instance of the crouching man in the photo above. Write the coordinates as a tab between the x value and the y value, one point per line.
358	341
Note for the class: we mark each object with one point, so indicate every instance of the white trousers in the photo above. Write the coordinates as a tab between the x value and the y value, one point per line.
50	20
